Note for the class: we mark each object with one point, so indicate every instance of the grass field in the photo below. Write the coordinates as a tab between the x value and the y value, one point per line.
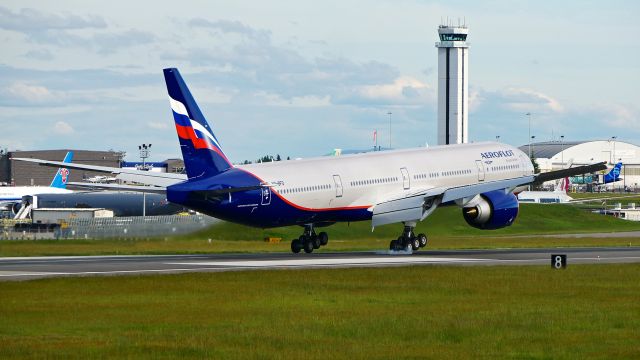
531	312
446	229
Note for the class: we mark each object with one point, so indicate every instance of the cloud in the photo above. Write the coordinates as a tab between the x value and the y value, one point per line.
402	91
31	20
528	100
231	27
158	125
70	30
39	54
27	93
63	128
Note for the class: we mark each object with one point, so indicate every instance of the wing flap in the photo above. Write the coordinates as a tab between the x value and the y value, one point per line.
406	207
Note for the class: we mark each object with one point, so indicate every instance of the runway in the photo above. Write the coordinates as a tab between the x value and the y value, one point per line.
41	267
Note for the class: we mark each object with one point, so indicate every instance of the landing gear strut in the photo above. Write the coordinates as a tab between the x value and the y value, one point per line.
408	241
309	240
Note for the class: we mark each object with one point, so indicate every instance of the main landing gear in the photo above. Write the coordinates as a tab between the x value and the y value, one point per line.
408	241
309	240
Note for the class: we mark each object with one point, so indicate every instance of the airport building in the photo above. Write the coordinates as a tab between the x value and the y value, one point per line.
453	85
555	155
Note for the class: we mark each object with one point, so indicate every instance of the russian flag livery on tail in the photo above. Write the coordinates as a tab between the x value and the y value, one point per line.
201	150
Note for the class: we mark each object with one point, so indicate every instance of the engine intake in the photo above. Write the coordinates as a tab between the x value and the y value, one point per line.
491	210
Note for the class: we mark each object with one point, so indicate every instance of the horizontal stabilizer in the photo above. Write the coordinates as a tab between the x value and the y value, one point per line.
140	176
140	189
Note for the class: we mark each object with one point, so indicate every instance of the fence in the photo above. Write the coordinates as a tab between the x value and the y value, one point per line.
110	228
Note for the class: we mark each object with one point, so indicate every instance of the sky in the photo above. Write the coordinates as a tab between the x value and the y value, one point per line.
301	78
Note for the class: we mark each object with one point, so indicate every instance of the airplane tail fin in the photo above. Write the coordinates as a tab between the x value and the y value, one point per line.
562	186
201	151
613	174
62	176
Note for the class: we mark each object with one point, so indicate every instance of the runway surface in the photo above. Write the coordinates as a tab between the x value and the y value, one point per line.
40	267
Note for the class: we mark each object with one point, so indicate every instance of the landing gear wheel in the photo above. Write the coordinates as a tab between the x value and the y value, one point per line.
415	244
408	247
423	240
324	238
296	246
308	246
393	245
316	242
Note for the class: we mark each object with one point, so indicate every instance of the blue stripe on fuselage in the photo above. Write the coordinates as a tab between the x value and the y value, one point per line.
246	207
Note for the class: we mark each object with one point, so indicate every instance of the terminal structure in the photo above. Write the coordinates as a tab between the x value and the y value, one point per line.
453	88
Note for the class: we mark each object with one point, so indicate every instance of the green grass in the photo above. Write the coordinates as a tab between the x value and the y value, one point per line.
446	229
531	312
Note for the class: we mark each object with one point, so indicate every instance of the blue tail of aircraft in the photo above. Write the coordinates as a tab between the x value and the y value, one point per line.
614	174
62	176
201	151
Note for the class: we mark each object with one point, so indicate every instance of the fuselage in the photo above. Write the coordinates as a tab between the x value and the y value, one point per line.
345	188
13	194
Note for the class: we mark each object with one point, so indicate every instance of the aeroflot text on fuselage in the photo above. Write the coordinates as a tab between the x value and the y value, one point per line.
496	154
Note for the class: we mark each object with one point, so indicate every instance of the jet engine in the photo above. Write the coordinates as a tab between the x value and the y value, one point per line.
15	208
491	210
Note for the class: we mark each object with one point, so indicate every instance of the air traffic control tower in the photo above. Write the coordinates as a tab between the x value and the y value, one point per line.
453	88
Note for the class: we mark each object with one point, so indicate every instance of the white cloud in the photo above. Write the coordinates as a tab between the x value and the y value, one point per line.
30	93
63	128
528	100
158	125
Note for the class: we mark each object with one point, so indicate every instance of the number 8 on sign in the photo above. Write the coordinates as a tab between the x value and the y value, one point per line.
559	261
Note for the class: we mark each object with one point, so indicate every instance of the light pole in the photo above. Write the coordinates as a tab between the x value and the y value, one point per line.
145	149
562	152
529	115
613	139
389	113
530	144
624	175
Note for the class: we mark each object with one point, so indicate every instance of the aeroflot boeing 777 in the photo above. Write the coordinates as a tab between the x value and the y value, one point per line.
400	186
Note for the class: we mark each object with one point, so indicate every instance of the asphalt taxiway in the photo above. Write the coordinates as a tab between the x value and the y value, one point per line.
22	268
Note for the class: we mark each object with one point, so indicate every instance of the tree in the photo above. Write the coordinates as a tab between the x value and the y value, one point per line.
536	167
278	158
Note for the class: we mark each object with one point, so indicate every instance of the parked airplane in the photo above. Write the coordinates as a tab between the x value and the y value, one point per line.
11	196
396	186
558	195
610	177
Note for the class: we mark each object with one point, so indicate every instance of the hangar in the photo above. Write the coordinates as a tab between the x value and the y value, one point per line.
555	155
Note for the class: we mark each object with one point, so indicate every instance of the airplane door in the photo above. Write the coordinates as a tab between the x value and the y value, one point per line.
338	182
266	196
406	182
524	162
480	166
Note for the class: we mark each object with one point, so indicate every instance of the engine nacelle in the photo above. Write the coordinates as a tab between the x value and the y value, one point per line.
15	208
491	210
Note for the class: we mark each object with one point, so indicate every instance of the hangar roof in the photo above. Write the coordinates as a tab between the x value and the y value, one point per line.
548	149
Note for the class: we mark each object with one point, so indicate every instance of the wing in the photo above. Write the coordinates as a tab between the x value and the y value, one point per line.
142	177
417	205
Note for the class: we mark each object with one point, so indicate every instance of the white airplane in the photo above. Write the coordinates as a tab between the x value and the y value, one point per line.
11	196
398	186
558	195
